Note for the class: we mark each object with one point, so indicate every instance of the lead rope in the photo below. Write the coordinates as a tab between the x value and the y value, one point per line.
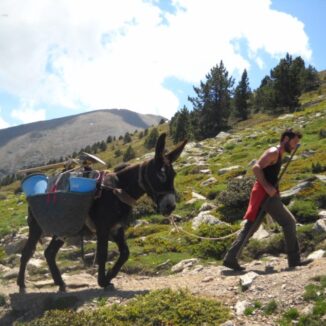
180	229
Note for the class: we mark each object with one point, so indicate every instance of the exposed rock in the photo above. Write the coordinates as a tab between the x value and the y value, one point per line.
317	254
204	217
205	171
241	306
228	169
208	182
261	233
320	225
35	264
16	246
197	196
286	116
321	177
322	214
247	279
12	273
296	189
207	207
222	135
139	223
183	264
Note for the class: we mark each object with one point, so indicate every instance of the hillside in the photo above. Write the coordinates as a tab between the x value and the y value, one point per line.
39	142
211	182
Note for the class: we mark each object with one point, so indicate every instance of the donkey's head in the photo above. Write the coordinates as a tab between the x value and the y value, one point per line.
158	176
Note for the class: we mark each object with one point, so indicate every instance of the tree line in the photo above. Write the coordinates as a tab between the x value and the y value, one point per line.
217	101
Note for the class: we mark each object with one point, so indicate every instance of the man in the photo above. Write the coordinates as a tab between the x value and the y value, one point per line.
265	194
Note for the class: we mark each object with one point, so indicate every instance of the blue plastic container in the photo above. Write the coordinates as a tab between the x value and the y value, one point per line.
34	184
80	184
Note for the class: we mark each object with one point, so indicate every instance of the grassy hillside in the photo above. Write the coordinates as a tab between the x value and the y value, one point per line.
156	246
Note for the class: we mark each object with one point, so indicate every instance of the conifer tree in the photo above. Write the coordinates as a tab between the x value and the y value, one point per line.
213	102
241	97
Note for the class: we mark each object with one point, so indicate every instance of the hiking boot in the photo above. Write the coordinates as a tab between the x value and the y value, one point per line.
304	262
295	260
233	265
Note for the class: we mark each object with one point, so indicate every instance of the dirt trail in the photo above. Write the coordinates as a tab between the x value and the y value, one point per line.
216	282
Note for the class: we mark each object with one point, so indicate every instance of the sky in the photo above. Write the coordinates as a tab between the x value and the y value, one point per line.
65	57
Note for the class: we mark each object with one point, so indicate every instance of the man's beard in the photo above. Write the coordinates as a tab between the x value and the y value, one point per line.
287	148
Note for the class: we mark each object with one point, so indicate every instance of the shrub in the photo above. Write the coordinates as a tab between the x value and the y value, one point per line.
270	308
162	307
305	211
237	193
2	300
213	248
145	206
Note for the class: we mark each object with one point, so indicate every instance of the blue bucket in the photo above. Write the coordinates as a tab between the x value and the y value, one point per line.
34	184
80	184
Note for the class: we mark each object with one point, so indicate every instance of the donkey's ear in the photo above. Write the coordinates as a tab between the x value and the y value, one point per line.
160	146
175	153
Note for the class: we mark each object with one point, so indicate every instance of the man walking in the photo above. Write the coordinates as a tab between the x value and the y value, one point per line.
265	194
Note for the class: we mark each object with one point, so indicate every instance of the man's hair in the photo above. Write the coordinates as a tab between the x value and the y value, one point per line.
291	134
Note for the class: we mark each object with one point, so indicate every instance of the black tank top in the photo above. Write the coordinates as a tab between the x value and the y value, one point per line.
271	172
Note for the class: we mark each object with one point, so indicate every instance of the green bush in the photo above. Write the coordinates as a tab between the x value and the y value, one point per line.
145	206
237	193
270	308
2	300
213	248
162	307
305	211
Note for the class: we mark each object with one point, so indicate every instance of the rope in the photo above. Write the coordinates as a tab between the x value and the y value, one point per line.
180	229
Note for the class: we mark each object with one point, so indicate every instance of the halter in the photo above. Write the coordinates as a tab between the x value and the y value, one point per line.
145	184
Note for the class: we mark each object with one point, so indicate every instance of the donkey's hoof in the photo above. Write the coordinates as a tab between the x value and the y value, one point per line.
62	288
109	287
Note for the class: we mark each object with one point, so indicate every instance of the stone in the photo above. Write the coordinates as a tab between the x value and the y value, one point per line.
247	279
240	307
228	169
204	217
296	189
206	207
208	182
16	246
320	225
317	254
197	196
222	135
261	233
179	267
322	214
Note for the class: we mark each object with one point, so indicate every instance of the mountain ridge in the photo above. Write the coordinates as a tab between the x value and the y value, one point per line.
39	142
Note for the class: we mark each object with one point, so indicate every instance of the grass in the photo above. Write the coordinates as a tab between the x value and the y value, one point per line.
162	307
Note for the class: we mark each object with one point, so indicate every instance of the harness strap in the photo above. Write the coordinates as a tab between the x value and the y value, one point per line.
118	192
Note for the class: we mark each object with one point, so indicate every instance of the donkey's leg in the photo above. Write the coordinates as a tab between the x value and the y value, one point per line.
102	254
50	254
119	239
34	236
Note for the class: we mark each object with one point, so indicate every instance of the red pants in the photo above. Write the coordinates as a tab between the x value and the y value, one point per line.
257	196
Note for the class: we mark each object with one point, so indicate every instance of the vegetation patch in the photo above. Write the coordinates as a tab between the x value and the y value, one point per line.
162	307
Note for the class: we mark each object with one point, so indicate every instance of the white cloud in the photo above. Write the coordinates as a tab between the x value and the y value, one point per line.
105	54
3	123
28	114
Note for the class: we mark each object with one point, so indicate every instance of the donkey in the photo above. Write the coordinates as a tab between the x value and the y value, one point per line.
109	213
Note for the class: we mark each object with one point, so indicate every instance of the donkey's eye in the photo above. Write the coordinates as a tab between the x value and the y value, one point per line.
163	169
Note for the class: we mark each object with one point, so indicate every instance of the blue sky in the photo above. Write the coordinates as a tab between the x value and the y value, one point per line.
65	57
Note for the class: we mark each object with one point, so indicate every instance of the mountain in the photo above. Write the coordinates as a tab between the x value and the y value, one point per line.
39	142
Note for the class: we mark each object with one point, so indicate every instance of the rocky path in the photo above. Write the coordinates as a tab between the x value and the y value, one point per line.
268	280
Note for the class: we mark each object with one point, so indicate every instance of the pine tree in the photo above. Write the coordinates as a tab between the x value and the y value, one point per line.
180	126
213	102
129	154
241	97
151	139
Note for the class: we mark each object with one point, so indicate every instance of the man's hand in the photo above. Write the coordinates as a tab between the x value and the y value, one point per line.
271	191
